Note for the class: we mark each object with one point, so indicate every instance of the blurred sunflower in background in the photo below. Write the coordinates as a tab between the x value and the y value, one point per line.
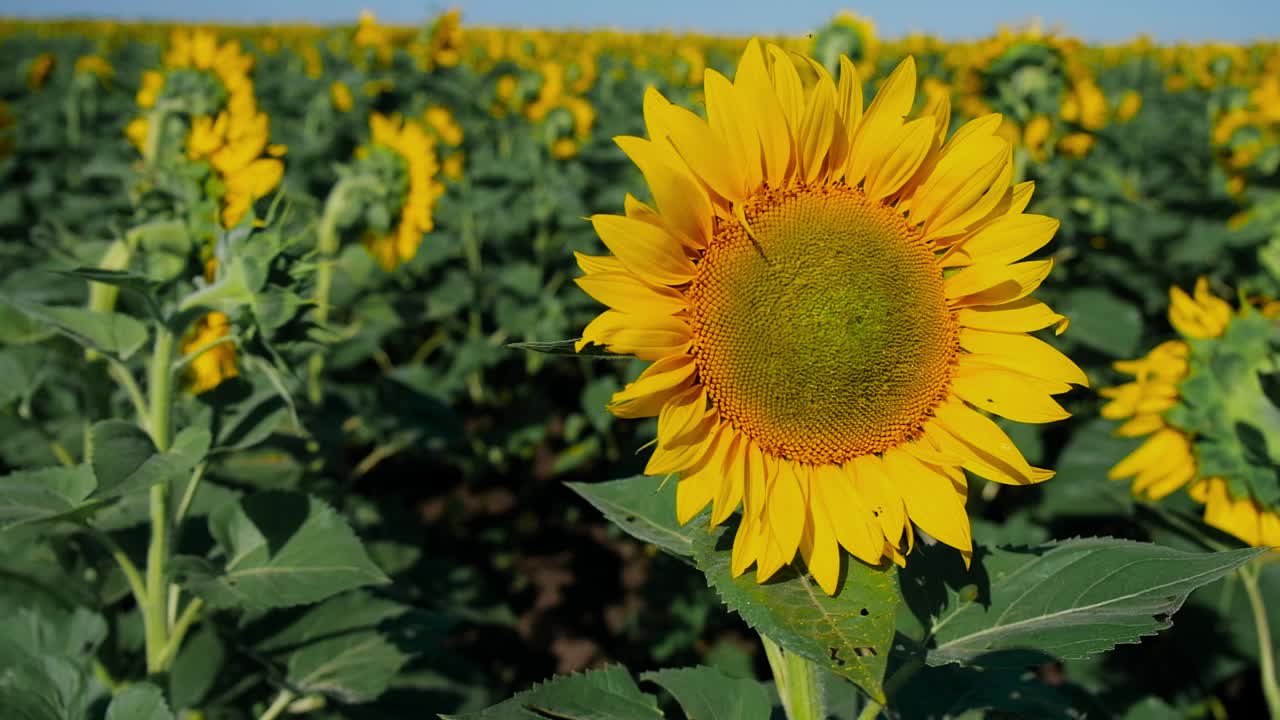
402	155
829	296
1207	404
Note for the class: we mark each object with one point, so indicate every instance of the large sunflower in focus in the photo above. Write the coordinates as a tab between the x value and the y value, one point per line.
826	295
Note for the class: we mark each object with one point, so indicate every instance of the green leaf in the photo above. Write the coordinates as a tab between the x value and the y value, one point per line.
142	701
848	634
117	278
116	450
51	631
166	248
48	494
282	549
645	507
46	687
1152	708
1071	598
609	693
107	332
1004	685
197	667
1103	321
565	347
23	370
705	693
1081	486
352	646
45	660
125	460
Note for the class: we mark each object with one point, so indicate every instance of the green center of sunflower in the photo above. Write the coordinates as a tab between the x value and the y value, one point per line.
824	333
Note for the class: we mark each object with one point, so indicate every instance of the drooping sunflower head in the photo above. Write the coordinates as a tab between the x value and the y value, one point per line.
400	162
1207	404
831	296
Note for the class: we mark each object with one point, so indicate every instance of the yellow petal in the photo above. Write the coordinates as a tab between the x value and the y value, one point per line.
785	511
835	497
909	146
891	104
658	384
849	96
1025	315
984	284
933	501
645	250
648	337
728	119
886	504
1008	239
746	546
1007	394
985	446
949	200
1023	353
707	155
786	83
732	476
681	199
817	128
755	91
818	545
1162	444
681	416
628	293
698	487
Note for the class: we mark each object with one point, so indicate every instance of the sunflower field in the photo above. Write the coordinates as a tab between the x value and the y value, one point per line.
451	371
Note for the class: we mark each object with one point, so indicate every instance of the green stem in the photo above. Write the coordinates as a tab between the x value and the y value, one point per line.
281	702
131	573
190	614
160	385
121	375
1266	650
188	494
155	612
891	686
155	123
327	245
797	682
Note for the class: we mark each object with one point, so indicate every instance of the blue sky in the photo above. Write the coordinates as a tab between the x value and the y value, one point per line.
1095	20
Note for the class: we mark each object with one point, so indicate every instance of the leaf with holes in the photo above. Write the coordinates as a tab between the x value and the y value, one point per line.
848	633
645	507
1071	598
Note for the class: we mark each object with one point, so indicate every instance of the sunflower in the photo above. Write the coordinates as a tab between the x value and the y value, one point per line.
826	294
1189	397
216	362
415	150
